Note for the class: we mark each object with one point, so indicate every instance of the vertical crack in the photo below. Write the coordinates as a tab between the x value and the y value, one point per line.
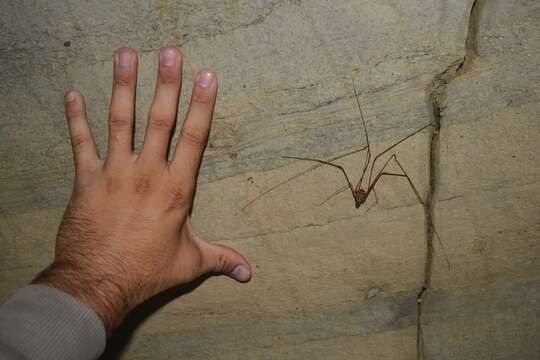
437	99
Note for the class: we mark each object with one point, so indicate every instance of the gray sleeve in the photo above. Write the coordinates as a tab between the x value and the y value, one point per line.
40	322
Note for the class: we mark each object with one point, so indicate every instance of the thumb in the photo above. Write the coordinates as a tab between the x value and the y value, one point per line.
224	260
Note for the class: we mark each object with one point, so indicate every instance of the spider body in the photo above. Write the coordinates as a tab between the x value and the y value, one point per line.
360	197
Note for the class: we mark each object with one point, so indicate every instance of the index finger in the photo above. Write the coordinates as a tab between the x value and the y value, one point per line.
194	132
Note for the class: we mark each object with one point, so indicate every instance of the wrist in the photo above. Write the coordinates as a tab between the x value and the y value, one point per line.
97	292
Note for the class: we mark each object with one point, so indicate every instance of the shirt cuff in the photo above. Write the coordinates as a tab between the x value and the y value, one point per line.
42	322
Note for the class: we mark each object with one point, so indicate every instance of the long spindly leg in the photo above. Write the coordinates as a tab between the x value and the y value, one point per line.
311	168
325	162
337	192
415	190
368	155
409	180
423	203
391	147
443	248
403	174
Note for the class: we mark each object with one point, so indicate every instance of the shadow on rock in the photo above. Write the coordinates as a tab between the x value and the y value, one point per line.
121	338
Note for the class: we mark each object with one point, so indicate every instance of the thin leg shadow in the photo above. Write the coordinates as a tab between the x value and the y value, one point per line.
118	342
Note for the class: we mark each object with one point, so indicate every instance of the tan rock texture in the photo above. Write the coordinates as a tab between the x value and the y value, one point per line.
330	281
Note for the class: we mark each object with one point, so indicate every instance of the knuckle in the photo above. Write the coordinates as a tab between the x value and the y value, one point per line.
193	137
74	107
113	184
120	122
179	198
155	151
221	263
74	112
142	184
169	76
79	140
123	78
160	124
203	97
89	167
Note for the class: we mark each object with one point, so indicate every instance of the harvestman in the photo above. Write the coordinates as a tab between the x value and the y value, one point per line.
360	195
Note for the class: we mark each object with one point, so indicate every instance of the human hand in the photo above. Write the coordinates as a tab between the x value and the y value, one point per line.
126	234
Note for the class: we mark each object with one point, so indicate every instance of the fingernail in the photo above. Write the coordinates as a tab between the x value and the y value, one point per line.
70	96
241	273
124	58
168	57
205	79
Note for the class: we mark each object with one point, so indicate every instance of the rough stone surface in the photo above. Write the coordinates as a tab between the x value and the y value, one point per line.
330	281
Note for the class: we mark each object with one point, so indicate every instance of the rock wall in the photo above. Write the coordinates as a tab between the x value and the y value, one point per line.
456	277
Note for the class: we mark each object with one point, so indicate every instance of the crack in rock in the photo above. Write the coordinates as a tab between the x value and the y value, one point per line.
437	100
